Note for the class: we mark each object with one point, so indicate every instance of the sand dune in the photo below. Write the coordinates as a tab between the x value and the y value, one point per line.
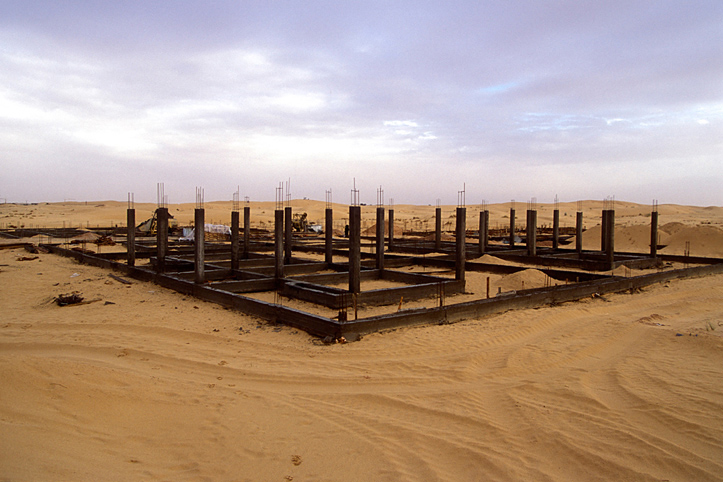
147	384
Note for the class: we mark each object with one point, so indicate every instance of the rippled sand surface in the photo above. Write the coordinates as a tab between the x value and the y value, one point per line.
146	384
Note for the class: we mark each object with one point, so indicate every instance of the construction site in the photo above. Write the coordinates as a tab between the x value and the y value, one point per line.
340	284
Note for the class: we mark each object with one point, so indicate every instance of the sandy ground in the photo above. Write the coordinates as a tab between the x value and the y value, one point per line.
147	384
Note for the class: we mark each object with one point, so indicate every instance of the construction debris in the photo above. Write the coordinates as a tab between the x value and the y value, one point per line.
74	298
120	280
31	248
69	299
87	237
105	241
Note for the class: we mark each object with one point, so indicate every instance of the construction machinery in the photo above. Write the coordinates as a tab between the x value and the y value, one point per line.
299	222
150	226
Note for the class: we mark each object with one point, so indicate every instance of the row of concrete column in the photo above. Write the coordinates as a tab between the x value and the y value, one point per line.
283	229
199	220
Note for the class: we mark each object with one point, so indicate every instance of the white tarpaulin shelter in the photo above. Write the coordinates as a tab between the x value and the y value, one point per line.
189	234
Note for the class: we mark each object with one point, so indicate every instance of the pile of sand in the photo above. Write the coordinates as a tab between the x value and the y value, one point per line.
88	237
372	230
489	259
524	280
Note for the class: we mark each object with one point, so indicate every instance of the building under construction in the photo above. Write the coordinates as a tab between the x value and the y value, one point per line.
322	283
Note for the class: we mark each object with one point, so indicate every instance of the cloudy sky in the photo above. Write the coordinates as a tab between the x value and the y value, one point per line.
513	100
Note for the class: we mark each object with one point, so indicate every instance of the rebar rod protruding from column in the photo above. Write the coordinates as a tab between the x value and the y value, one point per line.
355	249
380	238
161	238
199	246
460	245
279	244
288	228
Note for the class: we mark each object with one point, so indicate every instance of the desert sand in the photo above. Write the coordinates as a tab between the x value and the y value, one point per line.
147	384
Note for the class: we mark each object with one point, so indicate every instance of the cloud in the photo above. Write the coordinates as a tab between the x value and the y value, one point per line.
510	97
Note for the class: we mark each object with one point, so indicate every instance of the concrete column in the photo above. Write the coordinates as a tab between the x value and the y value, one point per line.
329	236
355	249
531	232
654	234
484	217
380	238
288	228
512	227
487	231
199	257
438	228
555	229
610	239
131	237
604	231
279	244
460	247
161	238
391	229
578	232
234	240
247	231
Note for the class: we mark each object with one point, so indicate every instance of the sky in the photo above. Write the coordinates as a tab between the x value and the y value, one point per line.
422	99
